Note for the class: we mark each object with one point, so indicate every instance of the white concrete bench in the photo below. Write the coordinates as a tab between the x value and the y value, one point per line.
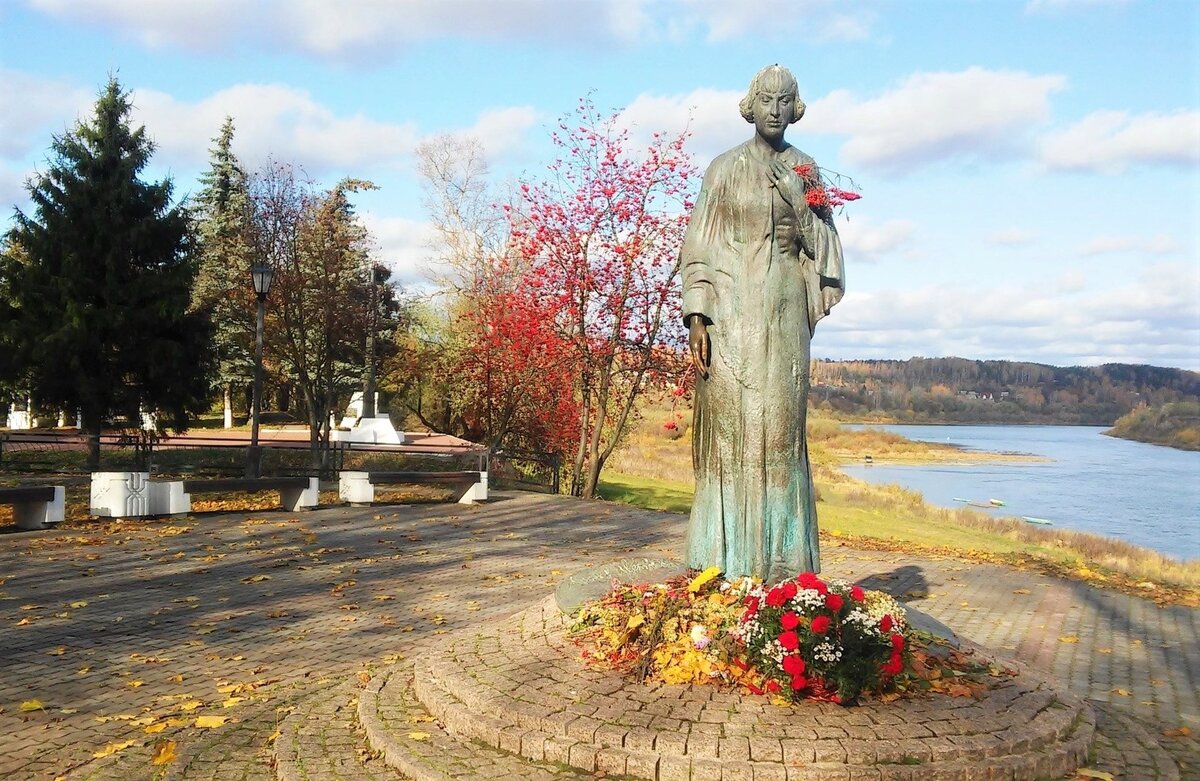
35	506
359	487
135	495
295	493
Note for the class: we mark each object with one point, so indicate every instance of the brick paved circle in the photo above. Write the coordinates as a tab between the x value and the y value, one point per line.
518	685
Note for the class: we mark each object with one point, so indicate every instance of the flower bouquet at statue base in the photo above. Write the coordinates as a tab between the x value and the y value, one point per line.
801	639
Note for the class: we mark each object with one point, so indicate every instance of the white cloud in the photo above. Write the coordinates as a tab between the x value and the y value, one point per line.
30	105
1071	281
12	192
284	122
863	239
1155	245
710	115
158	24
1152	319
721	20
503	132
976	113
380	29
1112	141
1012	237
403	246
289	124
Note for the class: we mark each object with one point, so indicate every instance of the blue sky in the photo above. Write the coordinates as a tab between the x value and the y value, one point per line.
1030	169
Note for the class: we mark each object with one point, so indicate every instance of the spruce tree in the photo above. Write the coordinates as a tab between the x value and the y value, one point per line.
223	218
100	282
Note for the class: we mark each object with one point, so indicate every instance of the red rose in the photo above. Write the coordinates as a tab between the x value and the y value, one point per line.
789	590
893	666
857	594
820	624
789	620
789	640
807	580
834	602
885	624
773	686
775	597
898	642
754	689
793	665
751	606
799	682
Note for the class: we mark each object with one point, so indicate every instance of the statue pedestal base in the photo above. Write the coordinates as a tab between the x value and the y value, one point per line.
372	431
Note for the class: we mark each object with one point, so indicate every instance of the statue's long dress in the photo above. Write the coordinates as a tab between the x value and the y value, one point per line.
754	269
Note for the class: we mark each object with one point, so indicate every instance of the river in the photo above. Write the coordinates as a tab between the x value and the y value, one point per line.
1144	494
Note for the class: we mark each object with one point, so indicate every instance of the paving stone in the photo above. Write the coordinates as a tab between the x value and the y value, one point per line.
154	589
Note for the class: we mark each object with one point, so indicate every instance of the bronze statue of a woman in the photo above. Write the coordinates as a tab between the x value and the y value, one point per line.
760	268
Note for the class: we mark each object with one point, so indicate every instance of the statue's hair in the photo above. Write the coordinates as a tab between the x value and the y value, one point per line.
781	74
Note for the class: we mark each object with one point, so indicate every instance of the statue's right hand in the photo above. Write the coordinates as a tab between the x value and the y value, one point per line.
698	345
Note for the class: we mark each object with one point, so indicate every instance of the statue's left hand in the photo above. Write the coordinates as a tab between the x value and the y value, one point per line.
788	183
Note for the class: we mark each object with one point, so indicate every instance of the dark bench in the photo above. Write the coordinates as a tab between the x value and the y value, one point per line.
35	506
359	487
295	493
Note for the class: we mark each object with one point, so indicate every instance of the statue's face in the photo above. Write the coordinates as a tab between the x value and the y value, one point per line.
773	112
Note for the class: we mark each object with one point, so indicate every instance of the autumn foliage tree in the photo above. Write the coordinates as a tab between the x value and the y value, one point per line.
596	244
316	323
484	359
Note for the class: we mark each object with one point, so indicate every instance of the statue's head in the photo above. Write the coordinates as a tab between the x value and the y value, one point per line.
773	89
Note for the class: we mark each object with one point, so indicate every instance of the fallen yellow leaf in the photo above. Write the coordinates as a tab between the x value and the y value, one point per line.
419	735
1068	639
32	705
62	649
256	578
1087	772
79	604
209	722
135	684
154	729
190	705
1180	732
113	748
1122	692
164	752
703	578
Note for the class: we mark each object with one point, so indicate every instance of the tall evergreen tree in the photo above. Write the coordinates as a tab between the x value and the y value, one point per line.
224	220
100	281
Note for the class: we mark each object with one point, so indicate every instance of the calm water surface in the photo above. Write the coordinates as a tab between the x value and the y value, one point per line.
1144	494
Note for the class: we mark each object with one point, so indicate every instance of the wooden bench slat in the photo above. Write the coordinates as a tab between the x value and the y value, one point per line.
386	478
27	493
243	484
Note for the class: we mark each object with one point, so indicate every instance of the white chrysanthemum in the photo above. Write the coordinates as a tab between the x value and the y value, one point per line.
827	652
807	600
878	604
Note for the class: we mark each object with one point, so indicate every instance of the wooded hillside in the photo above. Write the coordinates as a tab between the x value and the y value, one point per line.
958	390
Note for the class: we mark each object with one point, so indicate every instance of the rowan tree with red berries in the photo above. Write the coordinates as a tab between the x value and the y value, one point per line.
597	244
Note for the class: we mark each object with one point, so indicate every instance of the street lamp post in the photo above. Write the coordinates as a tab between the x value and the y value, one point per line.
260	276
